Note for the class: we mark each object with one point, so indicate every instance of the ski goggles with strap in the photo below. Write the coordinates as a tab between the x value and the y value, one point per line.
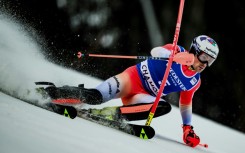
205	58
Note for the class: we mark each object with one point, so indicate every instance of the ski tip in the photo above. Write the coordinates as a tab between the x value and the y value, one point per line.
67	111
70	112
144	132
147	134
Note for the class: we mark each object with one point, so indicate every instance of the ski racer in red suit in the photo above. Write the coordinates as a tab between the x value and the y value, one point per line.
138	86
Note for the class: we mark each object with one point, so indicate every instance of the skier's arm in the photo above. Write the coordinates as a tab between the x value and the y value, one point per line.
163	51
189	136
185	104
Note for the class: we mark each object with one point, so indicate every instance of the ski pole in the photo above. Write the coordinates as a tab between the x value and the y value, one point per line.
203	145
183	58
176	36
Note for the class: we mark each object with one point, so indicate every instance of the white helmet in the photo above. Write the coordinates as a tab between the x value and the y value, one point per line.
205	44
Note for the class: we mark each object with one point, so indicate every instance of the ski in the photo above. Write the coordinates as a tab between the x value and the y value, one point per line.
67	111
141	131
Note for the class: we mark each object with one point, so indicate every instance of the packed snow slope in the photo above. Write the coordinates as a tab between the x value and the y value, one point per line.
25	128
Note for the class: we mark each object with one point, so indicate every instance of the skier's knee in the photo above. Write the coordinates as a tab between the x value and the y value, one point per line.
163	108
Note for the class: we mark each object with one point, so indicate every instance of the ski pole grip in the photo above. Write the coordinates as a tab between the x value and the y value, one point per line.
80	54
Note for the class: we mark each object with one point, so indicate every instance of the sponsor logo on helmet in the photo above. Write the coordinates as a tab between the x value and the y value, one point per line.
203	38
211	51
211	41
208	50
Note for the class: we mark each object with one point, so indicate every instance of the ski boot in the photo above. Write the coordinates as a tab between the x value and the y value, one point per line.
109	113
71	95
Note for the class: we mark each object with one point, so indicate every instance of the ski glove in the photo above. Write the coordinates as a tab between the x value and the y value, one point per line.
189	136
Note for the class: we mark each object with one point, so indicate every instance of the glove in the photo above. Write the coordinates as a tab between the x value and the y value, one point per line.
189	136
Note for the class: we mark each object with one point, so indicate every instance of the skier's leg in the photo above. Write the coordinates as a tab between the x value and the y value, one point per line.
125	84
73	95
134	112
114	87
131	112
138	107
139	110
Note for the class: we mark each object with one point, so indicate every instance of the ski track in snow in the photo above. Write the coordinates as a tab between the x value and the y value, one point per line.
26	128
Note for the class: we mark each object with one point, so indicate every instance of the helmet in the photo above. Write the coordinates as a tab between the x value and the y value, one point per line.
204	45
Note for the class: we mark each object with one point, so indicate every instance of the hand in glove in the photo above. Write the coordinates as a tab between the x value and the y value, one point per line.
189	136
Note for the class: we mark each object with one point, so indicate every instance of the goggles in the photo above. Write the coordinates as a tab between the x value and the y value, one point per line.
205	58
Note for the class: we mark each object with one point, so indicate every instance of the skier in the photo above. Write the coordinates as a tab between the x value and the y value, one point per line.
138	86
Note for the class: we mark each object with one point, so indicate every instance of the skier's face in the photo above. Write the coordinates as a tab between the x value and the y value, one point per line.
198	65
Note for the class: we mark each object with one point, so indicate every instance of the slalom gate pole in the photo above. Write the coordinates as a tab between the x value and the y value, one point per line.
176	37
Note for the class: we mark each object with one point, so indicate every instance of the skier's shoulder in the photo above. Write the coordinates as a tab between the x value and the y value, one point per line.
169	47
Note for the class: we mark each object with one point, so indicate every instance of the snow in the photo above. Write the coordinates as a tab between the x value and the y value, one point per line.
25	128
